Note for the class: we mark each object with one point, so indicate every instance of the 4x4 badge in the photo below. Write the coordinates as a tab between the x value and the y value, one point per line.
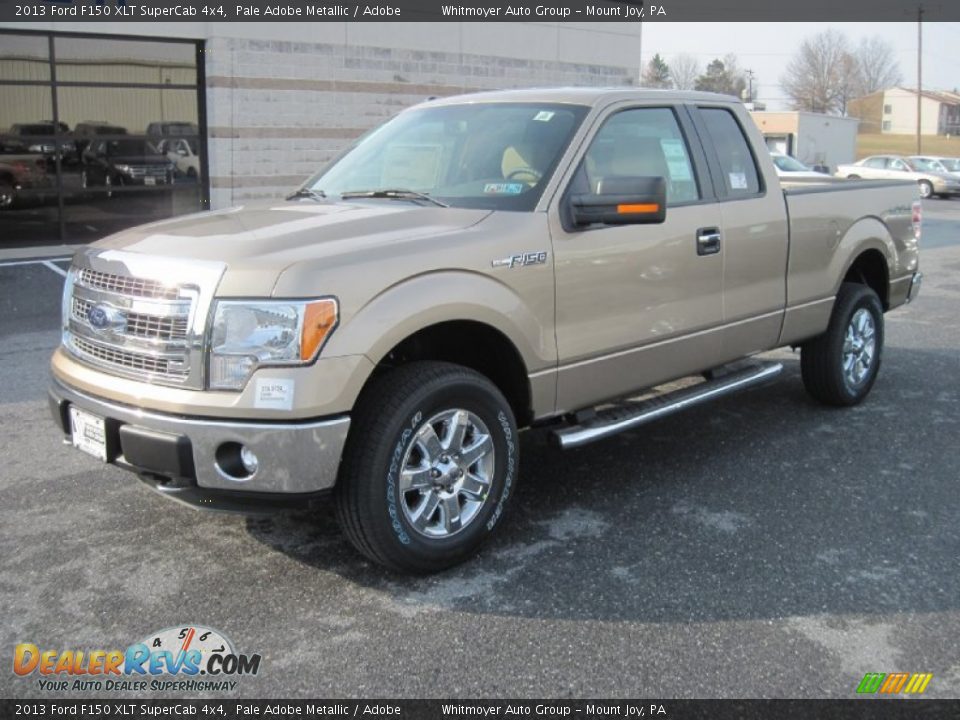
522	259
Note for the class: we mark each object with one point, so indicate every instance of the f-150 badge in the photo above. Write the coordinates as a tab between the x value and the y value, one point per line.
522	260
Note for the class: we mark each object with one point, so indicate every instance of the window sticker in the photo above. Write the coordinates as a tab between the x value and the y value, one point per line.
503	188
676	156
411	165
738	181
543	116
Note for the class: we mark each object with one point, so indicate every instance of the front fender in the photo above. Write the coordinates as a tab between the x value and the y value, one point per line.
442	296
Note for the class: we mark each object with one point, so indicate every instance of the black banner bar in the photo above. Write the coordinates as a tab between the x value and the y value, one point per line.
119	11
858	709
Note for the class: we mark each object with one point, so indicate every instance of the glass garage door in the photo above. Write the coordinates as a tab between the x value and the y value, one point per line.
97	134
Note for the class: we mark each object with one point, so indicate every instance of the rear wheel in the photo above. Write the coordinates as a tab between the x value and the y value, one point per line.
853	177
840	367
429	466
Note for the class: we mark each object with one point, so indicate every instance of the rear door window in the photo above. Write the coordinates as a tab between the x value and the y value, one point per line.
740	177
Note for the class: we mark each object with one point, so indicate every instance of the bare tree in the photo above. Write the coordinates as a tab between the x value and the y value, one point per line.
684	71
877	66
822	75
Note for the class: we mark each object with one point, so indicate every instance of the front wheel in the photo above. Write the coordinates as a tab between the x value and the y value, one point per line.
926	189
840	367
430	463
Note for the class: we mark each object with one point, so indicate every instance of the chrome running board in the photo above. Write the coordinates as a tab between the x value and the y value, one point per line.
628	415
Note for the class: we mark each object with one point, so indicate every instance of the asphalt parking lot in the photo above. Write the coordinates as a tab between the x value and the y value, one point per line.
762	546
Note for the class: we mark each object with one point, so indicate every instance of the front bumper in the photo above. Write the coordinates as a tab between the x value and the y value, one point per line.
183	457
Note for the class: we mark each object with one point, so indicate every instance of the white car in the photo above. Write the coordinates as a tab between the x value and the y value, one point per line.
789	168
897	167
183	154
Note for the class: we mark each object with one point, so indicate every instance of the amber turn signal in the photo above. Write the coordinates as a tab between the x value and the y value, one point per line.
644	208
319	320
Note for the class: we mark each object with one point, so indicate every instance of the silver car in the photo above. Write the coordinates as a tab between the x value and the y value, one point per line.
948	165
897	167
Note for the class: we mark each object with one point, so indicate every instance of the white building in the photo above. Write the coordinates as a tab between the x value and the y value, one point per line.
812	138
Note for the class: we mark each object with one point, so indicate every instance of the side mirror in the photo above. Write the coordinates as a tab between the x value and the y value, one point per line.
622	201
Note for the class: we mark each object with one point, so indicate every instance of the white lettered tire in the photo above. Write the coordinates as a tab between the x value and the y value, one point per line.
429	466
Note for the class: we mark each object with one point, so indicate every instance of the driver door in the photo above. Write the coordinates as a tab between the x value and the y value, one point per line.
638	305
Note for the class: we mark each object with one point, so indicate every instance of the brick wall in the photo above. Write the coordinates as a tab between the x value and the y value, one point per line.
278	110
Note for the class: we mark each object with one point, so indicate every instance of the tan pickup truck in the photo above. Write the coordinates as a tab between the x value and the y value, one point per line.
477	265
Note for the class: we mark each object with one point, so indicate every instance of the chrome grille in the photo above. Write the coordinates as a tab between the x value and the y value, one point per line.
135	287
124	359
143	325
154	326
152	170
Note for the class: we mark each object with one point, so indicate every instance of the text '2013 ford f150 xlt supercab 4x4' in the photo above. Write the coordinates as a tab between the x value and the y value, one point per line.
477	265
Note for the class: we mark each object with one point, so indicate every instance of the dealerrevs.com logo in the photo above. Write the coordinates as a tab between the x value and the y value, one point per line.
183	659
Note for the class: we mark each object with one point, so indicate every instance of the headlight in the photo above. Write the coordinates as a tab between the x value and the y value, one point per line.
125	169
35	148
251	334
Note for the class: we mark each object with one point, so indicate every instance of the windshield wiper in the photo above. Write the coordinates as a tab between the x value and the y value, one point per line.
307	193
393	195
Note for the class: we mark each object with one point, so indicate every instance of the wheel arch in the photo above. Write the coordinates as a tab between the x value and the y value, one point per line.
870	268
867	252
464	318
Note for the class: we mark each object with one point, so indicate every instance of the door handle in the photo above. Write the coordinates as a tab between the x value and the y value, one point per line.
708	241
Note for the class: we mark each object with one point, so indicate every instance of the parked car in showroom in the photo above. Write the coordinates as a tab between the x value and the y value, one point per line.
22	177
39	137
948	165
898	167
85	132
182	152
128	161
789	168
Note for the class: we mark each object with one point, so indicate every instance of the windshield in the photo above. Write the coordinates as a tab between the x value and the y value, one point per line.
927	164
476	155
789	164
117	148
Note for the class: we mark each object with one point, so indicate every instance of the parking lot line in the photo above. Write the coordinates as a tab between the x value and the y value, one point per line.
59	271
35	262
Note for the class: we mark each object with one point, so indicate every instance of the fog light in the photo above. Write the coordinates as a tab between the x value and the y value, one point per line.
236	462
249	459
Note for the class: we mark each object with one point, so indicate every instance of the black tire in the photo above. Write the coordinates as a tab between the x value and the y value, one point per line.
926	189
822	359
853	177
371	508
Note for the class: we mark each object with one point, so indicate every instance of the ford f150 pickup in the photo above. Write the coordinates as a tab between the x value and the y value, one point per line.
477	265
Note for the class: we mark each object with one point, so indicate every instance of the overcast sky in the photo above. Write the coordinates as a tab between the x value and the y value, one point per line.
767	47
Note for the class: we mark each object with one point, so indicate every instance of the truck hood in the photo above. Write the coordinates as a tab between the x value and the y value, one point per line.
257	241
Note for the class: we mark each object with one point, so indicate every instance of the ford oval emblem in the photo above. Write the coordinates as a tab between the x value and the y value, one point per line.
103	317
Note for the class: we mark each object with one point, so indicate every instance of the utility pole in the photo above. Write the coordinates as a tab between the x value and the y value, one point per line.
749	85
919	74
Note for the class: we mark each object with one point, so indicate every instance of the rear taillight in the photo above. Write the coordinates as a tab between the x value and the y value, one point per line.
917	218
